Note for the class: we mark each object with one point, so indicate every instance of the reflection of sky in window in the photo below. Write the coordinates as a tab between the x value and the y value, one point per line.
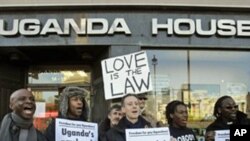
206	67
171	65
220	67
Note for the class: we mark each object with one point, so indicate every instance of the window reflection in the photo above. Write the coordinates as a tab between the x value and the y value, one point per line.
198	78
170	74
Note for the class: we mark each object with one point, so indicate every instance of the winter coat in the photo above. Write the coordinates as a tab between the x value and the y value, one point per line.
63	109
15	133
117	133
103	128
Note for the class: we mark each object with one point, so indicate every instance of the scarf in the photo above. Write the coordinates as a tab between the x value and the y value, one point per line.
12	123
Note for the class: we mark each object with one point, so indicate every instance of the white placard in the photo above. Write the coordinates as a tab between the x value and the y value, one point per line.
126	74
40	110
71	130
148	134
222	135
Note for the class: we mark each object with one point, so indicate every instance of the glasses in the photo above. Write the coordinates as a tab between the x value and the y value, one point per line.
231	107
143	98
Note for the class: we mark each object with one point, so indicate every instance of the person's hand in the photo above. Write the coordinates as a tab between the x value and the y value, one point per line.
209	136
172	138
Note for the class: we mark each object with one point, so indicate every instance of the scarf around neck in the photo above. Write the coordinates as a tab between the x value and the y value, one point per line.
12	123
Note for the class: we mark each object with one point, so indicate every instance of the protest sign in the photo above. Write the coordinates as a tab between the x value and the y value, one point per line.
126	74
148	134
71	130
222	135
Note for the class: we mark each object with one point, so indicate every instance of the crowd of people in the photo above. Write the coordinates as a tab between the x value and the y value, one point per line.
130	114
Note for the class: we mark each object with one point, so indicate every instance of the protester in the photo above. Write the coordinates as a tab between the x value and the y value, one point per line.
177	116
72	106
114	116
226	113
132	119
144	113
18	125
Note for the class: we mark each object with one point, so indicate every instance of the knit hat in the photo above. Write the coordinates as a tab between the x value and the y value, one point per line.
66	94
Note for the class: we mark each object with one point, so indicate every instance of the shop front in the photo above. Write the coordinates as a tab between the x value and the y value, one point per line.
194	56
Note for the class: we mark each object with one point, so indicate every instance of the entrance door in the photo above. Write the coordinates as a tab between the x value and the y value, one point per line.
46	83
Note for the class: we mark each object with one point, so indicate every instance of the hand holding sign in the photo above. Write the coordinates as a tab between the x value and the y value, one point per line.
126	74
71	130
222	135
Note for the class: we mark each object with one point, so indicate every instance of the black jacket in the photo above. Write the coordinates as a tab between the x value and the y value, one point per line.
118	132
104	126
15	133
15	136
219	124
182	133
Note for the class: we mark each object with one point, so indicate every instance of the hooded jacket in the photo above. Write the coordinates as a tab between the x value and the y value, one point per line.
67	93
118	132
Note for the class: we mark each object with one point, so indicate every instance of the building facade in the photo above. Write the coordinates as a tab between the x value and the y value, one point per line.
196	54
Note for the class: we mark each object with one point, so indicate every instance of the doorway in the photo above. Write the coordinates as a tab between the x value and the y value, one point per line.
46	84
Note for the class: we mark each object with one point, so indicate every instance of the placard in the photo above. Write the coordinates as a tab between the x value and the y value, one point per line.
71	130
222	135
126	74
148	134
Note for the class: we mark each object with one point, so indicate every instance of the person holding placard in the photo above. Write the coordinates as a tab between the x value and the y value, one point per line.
72	105
226	113
18	125
177	116
113	118
132	119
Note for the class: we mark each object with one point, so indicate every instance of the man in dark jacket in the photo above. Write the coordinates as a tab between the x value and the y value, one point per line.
18	125
132	119
73	106
113	118
226	113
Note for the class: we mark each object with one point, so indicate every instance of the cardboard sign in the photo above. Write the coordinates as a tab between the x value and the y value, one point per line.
148	134
222	135
71	130
126	74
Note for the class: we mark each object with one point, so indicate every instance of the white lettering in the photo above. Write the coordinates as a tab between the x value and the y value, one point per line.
71	23
29	27
6	32
103	23
200	31
51	26
156	26
188	22
243	28
122	29
226	27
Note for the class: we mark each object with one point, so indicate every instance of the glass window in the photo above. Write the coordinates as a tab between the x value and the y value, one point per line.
169	73
47	82
199	78
58	76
